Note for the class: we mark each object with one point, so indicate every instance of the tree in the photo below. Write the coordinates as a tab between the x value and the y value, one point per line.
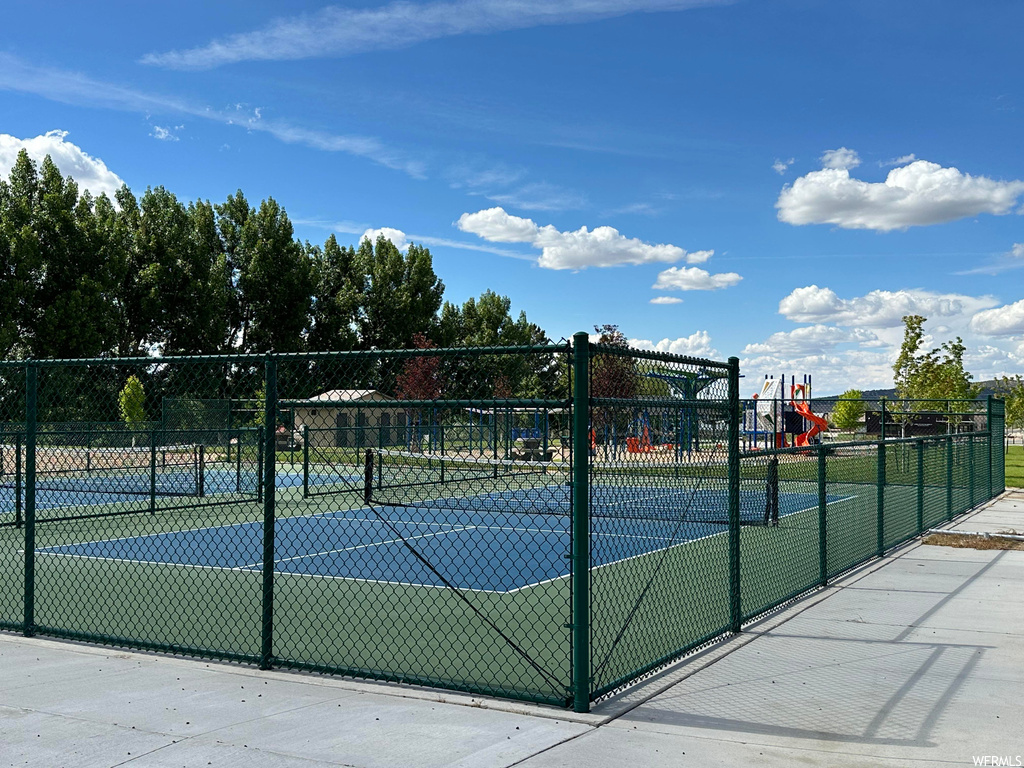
419	380
929	380
401	294
1012	392
131	402
613	376
337	296
848	410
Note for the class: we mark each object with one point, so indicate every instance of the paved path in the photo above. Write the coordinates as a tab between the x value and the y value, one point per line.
916	660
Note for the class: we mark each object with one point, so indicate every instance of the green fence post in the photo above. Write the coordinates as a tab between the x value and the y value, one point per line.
920	486
880	495
580	522
822	518
31	391
305	461
949	477
988	426
735	601
269	483
970	470
19	517
152	473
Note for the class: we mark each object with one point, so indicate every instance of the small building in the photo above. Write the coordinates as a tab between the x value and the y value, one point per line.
350	418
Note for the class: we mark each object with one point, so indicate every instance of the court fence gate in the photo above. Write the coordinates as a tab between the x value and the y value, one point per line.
546	523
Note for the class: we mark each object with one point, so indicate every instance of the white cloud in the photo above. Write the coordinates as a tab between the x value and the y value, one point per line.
693	279
540	196
913	195
88	172
840	159
336	31
809	340
781	166
74	88
1007	320
1012	259
579	249
697	344
877	309
666	300
396	236
166	134
903	160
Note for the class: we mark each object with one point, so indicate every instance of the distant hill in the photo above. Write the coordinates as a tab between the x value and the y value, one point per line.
987	388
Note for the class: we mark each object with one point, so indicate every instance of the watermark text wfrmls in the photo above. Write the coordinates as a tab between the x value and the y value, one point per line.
998	760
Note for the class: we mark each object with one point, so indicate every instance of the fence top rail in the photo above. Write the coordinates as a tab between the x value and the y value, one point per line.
807	449
661	402
454	352
665	357
397	404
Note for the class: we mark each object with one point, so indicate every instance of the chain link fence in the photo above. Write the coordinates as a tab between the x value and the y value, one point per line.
543	523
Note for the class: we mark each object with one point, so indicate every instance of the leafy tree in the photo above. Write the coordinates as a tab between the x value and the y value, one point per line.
401	294
613	376
937	376
274	282
337	296
1011	389
848	410
131	402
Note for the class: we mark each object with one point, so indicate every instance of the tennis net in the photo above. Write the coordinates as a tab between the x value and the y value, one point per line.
669	493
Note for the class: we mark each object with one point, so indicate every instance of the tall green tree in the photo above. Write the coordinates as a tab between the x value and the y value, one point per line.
848	410
401	296
337	297
1011	389
274	283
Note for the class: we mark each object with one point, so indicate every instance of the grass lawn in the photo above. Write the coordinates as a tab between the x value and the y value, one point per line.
1015	467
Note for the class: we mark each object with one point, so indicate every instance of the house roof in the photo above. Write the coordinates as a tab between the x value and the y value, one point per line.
345	395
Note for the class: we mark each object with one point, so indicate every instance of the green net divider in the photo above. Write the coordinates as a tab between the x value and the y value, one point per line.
547	523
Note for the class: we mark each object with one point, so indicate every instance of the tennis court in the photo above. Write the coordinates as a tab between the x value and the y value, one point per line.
457	536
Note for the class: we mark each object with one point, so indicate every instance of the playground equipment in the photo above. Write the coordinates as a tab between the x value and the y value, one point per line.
773	420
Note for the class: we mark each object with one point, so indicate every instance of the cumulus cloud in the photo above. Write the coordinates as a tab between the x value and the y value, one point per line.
338	31
809	340
697	344
781	166
666	300
877	309
88	172
913	195
693	279
1007	320
579	249
840	159
902	160
396	236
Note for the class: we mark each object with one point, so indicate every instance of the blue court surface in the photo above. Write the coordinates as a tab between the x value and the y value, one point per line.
472	549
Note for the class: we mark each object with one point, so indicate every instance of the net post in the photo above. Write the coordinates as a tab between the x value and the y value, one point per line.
580	522
880	494
201	469
822	518
31	392
368	477
949	477
269	483
305	461
920	486
735	603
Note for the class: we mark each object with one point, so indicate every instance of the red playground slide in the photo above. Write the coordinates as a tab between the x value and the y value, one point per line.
820	425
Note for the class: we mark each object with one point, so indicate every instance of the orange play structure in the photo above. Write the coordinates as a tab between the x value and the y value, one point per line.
801	406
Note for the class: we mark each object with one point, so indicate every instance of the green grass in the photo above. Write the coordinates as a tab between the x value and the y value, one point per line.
1015	466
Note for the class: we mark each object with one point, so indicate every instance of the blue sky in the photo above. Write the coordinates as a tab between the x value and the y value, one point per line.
777	180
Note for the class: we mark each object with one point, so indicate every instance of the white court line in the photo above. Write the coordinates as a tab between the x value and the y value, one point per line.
363	546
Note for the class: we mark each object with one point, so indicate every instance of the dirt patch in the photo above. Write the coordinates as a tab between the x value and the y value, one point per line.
974	542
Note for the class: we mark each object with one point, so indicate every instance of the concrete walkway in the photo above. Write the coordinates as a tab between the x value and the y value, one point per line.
915	660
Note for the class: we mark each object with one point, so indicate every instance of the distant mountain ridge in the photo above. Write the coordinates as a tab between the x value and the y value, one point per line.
987	388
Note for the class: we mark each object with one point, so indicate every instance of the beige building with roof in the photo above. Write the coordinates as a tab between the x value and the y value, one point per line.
350	418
